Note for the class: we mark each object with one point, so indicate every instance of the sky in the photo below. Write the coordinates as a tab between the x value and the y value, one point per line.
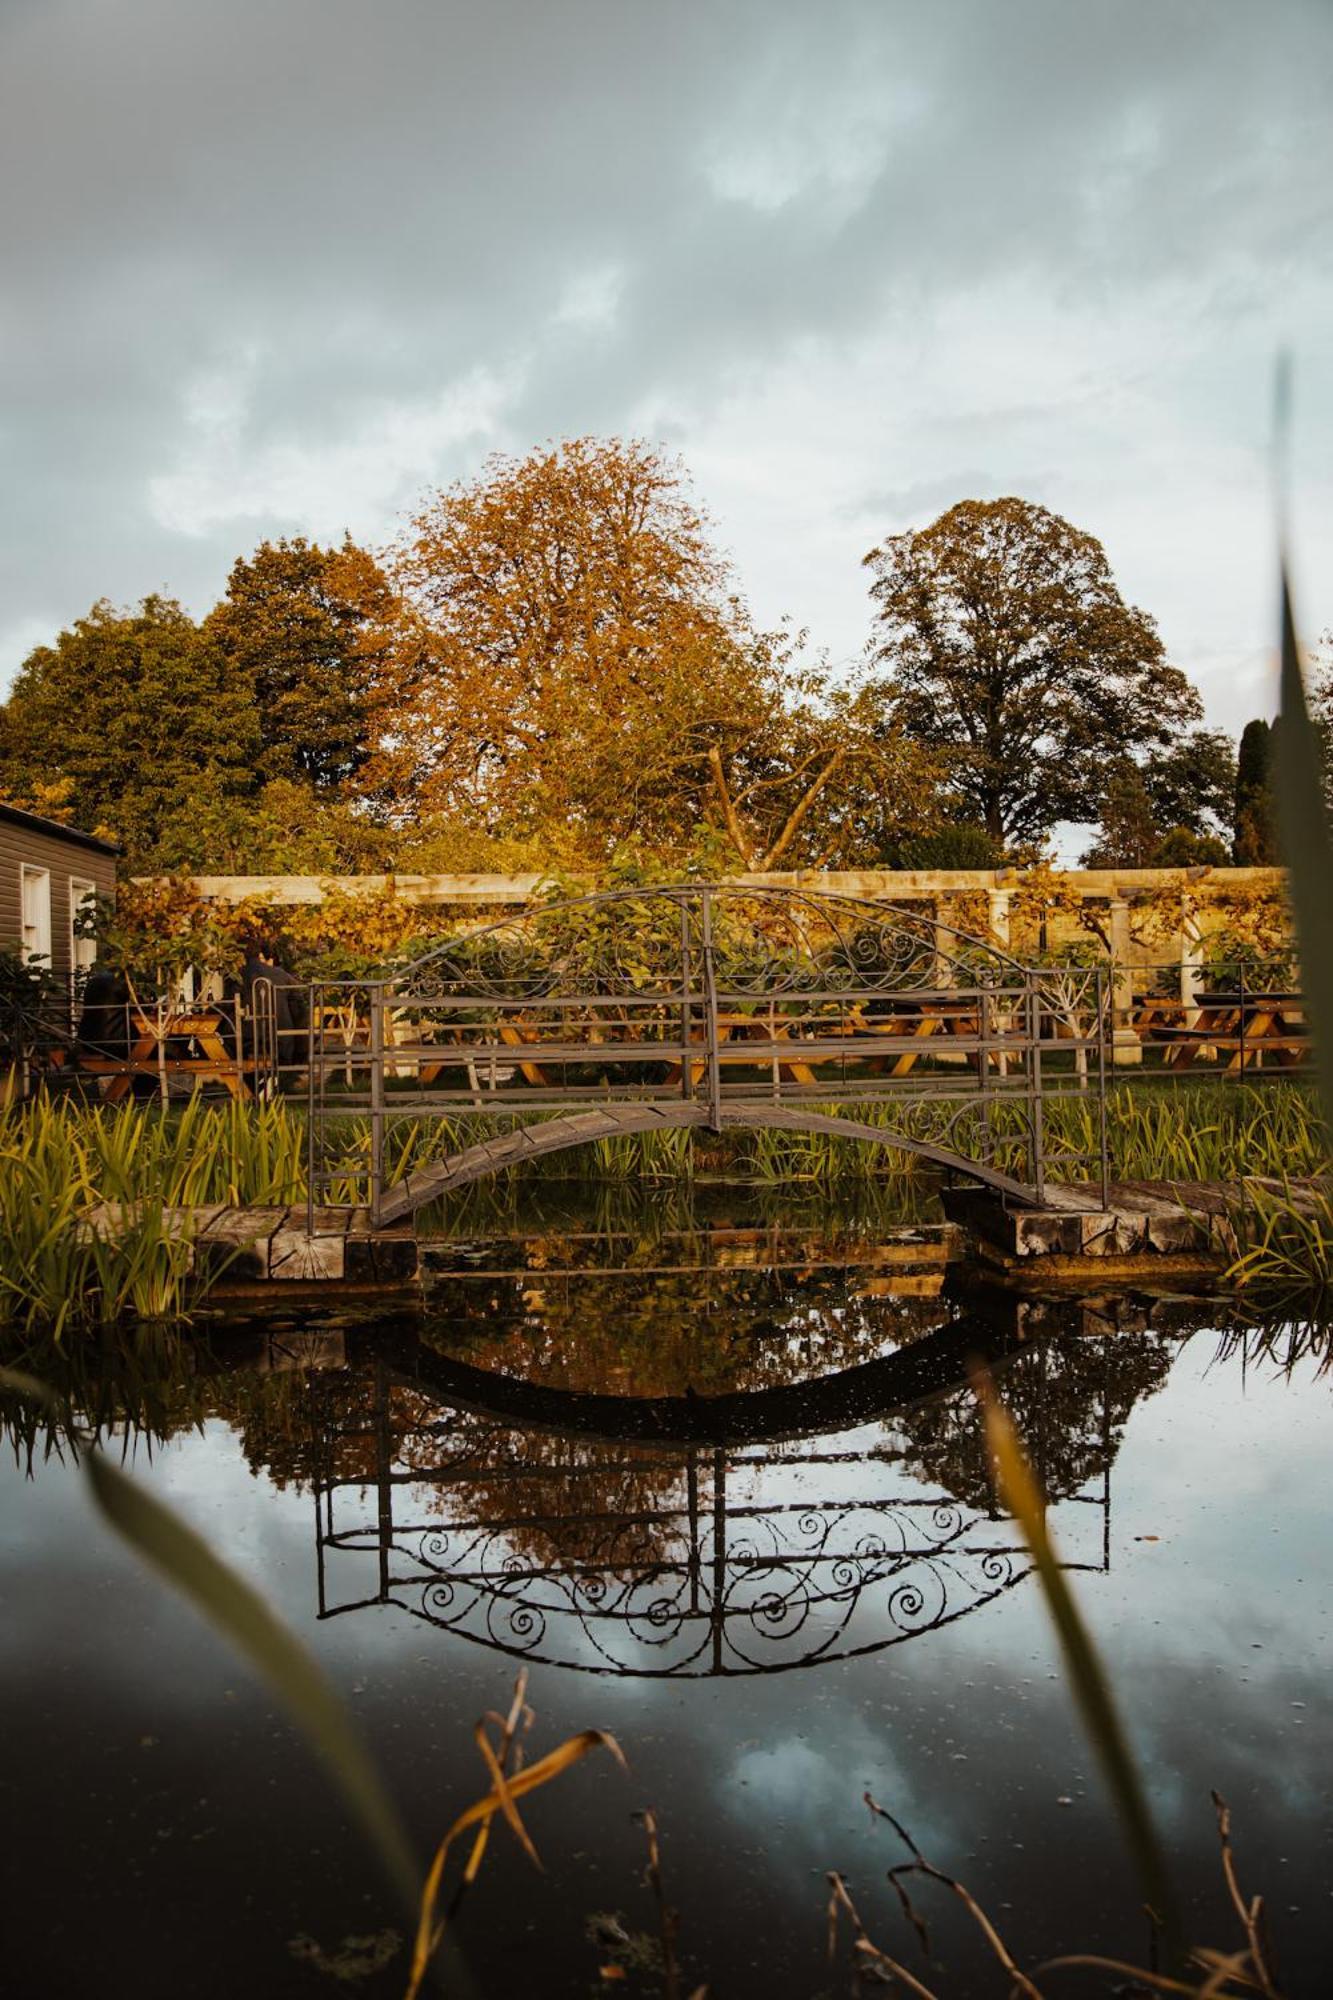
272	270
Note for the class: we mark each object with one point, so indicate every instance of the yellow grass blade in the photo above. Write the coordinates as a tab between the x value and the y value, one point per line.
1022	1497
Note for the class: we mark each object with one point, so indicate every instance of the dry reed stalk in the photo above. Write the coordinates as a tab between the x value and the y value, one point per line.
502	1798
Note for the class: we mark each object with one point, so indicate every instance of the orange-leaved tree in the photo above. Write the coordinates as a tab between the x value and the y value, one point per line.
577	665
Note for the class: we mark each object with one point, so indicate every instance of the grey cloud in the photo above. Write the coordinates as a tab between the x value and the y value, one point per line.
336	212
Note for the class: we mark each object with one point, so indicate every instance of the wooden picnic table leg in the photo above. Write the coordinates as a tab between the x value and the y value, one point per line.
229	1073
927	1025
532	1072
135	1065
1250	1055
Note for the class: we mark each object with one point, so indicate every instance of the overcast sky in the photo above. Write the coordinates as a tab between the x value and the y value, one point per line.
274	266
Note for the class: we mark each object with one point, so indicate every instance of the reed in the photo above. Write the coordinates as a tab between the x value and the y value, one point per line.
1284	1236
60	1162
1195	1132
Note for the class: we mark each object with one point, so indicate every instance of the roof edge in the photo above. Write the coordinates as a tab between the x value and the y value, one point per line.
55	829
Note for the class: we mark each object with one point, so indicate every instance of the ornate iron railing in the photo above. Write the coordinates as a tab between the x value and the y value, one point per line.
727	1560
699	1005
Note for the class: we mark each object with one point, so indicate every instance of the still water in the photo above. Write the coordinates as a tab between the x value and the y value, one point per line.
726	1496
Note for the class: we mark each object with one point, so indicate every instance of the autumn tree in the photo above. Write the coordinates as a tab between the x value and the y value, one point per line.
579	666
138	716
308	631
805	773
1006	646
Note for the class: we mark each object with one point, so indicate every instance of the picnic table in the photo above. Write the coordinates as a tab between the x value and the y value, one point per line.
1244	1028
816	1040
171	1044
795	1044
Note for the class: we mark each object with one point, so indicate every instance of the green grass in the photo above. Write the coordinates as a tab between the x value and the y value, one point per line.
58	1165
59	1162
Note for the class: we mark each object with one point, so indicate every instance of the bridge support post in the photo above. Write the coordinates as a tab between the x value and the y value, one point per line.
710	1022
376	997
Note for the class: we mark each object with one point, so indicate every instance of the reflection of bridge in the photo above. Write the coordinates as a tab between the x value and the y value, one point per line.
659	1537
651	1010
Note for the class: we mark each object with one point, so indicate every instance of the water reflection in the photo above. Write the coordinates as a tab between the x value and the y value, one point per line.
767	1464
544	1442
739	1533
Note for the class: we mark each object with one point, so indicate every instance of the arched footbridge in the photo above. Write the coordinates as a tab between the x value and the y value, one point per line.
713	1007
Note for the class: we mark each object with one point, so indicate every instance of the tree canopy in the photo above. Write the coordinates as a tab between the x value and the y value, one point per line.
584	668
306	632
553	668
1006	646
141	717
1173	809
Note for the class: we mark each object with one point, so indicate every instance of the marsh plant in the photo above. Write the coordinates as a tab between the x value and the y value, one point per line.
94	1203
91	1224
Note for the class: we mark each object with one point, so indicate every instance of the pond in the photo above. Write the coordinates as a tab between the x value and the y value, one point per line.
724	1493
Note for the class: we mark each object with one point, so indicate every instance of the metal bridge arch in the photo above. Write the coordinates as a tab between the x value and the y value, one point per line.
698	1005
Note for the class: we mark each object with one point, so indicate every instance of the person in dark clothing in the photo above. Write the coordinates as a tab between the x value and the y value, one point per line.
290	1009
104	1021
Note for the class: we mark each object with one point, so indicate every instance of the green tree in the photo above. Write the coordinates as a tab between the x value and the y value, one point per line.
1128	833
1170	810
1192	784
1006	645
946	847
306	629
1254	830
1182	848
141	714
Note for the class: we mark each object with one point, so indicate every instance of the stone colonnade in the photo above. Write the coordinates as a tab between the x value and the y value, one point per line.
1114	891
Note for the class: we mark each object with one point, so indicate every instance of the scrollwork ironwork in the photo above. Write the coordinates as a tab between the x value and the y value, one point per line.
781	1588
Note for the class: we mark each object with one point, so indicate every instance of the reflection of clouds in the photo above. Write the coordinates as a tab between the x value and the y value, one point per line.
968	1733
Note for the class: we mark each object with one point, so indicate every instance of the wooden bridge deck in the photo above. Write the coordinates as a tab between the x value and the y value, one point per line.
1147	1230
583	1128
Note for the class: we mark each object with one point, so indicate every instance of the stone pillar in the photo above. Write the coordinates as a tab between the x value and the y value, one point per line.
1126	1046
1191	960
946	975
997	915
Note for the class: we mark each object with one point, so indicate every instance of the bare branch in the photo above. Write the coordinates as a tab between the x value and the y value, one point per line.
735	830
798	813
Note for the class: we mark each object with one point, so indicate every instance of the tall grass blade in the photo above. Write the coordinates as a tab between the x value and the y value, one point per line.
185	1559
504	1793
1022	1497
1307	849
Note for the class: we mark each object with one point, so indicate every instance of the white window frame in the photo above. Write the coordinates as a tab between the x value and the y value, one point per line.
38	946
82	950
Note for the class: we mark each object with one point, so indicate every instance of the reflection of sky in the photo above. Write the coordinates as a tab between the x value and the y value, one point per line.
147	1766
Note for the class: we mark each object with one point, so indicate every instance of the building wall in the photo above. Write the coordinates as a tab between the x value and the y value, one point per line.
65	861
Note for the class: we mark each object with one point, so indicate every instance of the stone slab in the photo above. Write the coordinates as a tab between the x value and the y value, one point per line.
387	1255
236	1241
